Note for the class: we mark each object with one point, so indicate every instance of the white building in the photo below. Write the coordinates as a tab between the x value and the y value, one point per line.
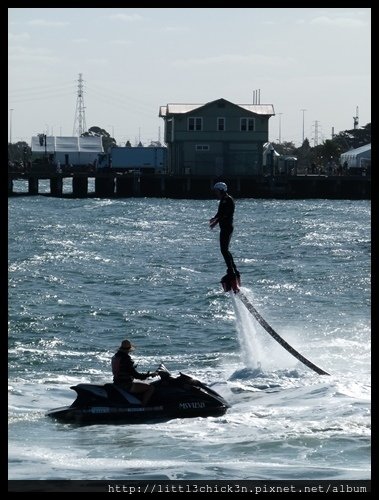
357	158
68	150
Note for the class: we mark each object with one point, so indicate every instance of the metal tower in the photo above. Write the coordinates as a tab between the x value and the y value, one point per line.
80	117
315	139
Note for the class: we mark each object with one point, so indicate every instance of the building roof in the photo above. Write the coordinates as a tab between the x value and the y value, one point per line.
175	109
357	151
92	144
364	151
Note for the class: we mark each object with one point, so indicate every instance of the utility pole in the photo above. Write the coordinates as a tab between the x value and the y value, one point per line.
303	110
280	127
356	120
10	125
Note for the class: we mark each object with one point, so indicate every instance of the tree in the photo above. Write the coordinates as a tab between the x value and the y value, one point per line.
354	138
107	140
285	148
303	154
331	149
19	151
155	144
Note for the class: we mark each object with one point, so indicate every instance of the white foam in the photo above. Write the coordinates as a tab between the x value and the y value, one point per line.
258	351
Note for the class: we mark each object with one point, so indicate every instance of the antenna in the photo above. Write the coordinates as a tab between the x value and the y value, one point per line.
80	117
257	96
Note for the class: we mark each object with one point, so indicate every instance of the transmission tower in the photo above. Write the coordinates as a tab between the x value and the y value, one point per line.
315	139
80	117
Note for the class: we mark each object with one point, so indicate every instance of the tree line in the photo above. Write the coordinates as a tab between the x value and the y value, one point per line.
329	151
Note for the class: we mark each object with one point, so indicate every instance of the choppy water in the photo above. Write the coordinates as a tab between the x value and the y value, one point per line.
86	273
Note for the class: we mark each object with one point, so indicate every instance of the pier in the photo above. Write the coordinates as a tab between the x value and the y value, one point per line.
134	184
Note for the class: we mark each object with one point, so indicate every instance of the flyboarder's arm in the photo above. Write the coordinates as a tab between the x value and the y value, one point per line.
213	222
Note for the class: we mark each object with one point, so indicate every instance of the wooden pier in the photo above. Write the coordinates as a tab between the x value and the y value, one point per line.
125	185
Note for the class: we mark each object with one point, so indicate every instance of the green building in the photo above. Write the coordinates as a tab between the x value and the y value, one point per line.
215	139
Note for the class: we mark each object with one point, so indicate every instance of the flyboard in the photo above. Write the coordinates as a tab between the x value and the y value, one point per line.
232	284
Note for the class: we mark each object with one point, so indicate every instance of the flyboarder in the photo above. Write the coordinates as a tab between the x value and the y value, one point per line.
224	218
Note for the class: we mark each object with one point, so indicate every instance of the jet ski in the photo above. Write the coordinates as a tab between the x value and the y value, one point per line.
173	397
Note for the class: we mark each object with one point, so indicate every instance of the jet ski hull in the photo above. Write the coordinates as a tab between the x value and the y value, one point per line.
181	397
131	415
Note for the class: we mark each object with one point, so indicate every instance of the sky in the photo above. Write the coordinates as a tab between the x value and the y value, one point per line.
312	64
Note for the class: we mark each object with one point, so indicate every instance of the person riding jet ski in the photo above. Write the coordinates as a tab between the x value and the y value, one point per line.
125	373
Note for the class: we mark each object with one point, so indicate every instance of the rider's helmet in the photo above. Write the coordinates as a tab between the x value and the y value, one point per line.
221	186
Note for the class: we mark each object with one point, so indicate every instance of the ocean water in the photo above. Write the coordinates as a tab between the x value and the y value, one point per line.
86	273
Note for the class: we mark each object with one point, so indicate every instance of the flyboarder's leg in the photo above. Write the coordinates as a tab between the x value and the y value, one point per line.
225	237
232	278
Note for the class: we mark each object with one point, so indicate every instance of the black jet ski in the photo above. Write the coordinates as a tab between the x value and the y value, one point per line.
174	397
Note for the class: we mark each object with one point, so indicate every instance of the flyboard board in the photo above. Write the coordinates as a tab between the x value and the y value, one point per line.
233	284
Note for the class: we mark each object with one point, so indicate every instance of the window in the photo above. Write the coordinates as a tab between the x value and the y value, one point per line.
195	123
247	124
220	124
202	147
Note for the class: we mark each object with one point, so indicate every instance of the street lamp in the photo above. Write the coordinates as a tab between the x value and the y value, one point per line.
303	110
10	125
280	127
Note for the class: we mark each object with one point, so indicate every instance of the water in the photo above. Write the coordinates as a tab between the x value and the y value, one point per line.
86	273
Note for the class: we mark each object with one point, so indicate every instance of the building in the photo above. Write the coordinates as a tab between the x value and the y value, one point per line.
218	138
149	159
67	150
357	159
277	164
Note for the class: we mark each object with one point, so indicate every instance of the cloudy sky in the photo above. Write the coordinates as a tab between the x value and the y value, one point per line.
135	60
